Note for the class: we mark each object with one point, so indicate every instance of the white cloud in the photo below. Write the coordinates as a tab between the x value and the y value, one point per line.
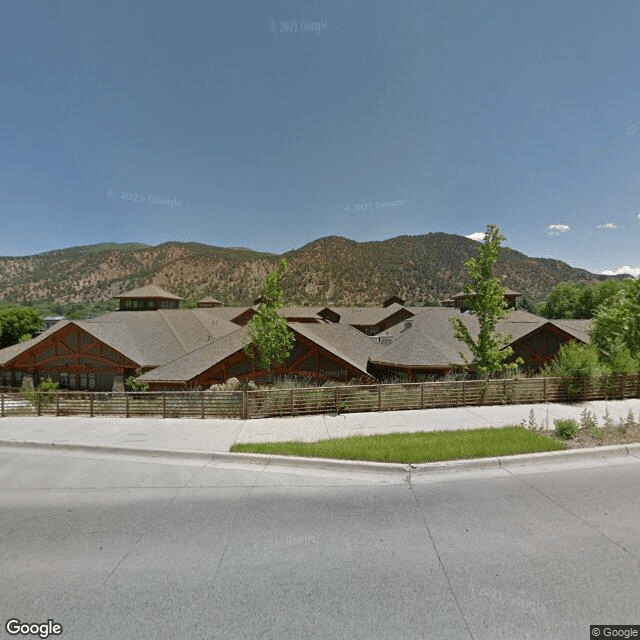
632	271
479	236
607	225
557	229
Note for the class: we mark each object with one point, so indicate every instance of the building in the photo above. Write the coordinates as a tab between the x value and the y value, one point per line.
188	348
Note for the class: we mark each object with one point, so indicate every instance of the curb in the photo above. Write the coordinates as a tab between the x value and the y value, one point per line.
327	464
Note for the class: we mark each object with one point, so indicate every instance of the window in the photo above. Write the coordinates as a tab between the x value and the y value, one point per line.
88	381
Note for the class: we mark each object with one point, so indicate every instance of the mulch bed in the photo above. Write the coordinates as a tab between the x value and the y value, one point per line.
611	435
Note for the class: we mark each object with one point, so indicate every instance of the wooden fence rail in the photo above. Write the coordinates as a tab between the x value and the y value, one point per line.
318	400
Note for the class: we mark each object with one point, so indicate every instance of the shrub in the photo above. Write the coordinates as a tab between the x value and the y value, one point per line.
566	428
576	360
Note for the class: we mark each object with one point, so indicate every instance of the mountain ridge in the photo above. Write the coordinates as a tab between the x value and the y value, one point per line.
327	270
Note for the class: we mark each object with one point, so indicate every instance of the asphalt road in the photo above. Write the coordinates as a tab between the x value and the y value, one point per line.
121	549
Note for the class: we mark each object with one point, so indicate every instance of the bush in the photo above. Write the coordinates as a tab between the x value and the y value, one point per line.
46	392
576	360
566	428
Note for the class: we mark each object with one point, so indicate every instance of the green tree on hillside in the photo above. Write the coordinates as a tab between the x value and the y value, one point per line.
18	324
271	339
485	299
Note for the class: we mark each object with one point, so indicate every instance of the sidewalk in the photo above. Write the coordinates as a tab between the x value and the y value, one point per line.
217	435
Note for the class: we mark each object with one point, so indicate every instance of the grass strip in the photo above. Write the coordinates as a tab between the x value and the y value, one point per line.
414	448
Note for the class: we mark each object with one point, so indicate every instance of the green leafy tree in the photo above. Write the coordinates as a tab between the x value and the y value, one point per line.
578	300
485	299
271	339
616	324
576	360
18	324
133	384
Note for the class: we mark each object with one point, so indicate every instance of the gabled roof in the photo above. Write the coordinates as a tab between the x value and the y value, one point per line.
166	334
9	353
368	316
148	291
342	340
345	342
579	329
210	300
430	341
192	364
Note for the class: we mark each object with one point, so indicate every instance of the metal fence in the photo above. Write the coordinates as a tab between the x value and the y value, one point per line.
317	400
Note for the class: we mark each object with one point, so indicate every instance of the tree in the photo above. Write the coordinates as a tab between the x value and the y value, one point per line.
616	324
578	300
271	339
485	299
18	324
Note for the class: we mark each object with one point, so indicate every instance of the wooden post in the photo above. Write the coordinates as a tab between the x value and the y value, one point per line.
164	404
126	403
292	404
57	404
422	395
91	399
39	403
244	405
202	404
379	397
336	399
464	393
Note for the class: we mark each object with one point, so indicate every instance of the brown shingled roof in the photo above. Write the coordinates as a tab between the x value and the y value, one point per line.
149	291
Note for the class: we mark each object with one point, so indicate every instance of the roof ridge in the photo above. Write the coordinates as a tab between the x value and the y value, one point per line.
175	335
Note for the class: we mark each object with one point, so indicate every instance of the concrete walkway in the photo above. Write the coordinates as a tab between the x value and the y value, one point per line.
217	435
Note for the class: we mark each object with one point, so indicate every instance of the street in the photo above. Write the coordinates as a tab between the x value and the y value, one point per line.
118	548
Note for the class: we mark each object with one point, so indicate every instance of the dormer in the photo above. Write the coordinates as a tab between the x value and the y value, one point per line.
148	298
208	303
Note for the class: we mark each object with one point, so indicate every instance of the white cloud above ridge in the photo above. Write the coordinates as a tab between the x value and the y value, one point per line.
557	229
607	225
478	236
626	270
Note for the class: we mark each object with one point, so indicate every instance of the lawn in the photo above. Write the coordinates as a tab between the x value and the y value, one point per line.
412	448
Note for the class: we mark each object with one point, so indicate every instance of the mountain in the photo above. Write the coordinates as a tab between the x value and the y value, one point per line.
330	270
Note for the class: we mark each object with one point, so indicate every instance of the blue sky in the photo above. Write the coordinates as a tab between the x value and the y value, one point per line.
269	124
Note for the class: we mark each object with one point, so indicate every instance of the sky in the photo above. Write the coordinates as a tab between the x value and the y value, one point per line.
244	123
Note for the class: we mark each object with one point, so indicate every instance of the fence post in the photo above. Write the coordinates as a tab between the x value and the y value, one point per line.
2	405
126	404
292	405
57	404
422	395
336	399
39	403
164	404
379	398
91	400
244	405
